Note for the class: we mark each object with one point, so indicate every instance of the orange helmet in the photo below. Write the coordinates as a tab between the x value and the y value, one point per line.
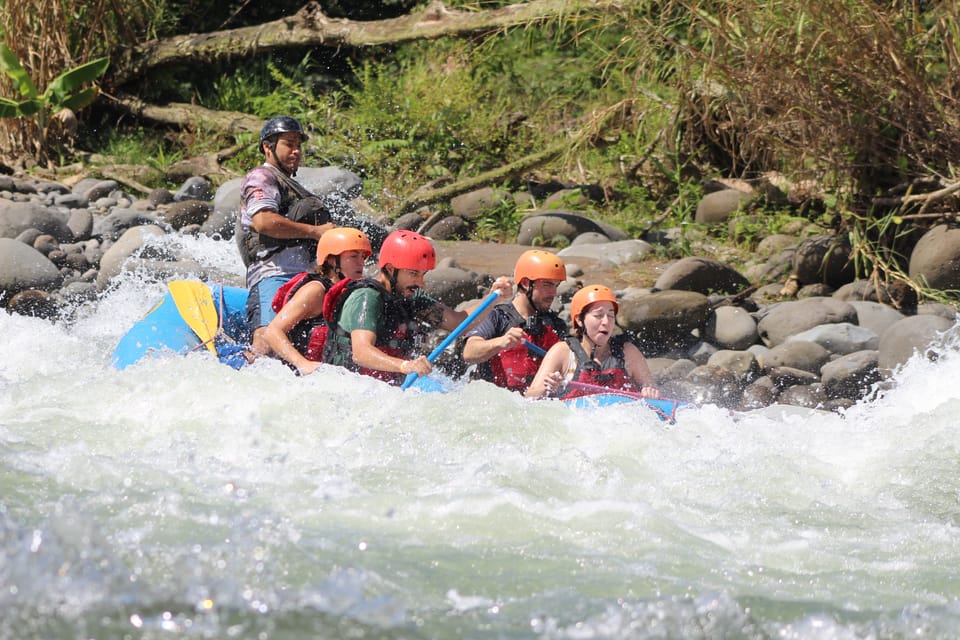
341	239
587	296
537	264
407	250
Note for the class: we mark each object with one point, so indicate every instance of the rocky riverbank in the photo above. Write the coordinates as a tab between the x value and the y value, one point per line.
792	327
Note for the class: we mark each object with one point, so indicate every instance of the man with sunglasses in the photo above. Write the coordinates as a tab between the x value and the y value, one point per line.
508	345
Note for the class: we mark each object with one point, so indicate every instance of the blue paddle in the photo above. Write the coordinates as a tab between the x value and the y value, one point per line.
534	349
489	300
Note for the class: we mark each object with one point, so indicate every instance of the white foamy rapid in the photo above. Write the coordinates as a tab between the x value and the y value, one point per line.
181	498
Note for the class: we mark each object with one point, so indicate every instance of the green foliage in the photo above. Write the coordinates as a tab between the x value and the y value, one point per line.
501	223
408	118
140	147
857	89
63	92
265	89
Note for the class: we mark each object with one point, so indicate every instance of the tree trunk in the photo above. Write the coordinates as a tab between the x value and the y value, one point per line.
187	115
310	27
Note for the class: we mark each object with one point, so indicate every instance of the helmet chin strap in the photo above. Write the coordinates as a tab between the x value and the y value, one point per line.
271	144
391	278
582	333
528	292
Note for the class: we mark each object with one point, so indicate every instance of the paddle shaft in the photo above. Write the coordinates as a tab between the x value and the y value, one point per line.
486	302
586	386
534	349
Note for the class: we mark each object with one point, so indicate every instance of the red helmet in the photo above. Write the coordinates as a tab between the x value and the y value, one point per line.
587	296
407	250
341	239
538	264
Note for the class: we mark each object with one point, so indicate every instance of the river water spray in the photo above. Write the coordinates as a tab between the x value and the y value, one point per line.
181	498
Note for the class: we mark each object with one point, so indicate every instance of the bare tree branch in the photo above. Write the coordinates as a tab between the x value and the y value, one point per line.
924	199
311	27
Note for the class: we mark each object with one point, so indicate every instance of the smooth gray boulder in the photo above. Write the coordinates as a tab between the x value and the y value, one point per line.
851	375
806	356
17	217
719	205
875	316
839	337
785	319
914	335
23	267
132	241
824	259
703	275
936	258
618	252
664	320
544	227
452	285
732	328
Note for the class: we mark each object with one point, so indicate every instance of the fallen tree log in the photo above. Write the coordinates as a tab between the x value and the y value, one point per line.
187	115
311	27
484	179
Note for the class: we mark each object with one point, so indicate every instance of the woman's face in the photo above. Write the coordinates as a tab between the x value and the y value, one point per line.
351	263
599	322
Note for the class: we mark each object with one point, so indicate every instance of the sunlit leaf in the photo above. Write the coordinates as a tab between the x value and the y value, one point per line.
10	65
60	88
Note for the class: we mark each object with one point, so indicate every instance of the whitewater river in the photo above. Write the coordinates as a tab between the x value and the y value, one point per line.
182	499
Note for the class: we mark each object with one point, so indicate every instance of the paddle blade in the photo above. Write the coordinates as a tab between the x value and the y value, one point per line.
486	302
195	304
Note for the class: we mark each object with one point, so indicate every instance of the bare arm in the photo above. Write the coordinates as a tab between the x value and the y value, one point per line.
366	354
274	225
477	349
551	371
639	371
306	303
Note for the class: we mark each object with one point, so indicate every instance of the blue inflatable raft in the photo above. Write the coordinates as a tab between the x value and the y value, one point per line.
664	408
163	330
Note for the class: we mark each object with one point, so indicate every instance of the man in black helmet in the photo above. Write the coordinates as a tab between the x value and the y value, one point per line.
279	222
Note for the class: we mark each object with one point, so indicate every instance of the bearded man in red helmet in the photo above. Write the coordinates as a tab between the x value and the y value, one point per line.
508	345
376	326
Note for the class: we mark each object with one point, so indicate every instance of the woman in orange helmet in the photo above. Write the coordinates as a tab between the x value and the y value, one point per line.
594	356
297	333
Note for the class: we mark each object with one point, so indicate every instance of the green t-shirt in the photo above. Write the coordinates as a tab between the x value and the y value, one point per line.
364	309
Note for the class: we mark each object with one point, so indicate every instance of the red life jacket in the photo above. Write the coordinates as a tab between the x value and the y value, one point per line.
396	337
514	368
611	373
308	335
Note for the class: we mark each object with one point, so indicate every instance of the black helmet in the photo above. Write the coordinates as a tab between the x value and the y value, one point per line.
281	124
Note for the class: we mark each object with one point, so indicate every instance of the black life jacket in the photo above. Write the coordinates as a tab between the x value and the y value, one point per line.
296	204
309	335
397	330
